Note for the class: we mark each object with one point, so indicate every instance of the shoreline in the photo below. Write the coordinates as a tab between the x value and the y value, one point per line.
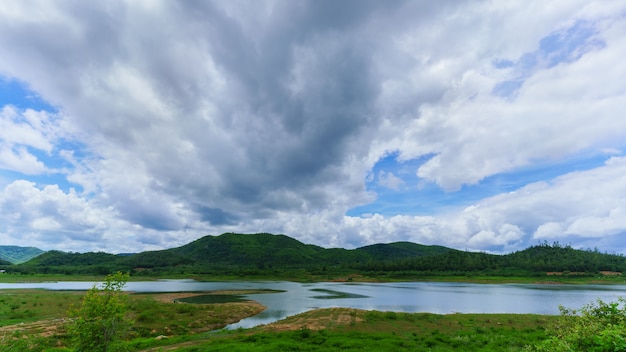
355	278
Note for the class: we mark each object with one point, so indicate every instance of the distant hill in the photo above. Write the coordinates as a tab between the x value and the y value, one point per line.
399	250
269	249
264	250
17	254
229	252
275	255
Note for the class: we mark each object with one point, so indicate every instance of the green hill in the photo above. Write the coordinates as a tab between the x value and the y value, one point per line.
230	252
557	257
400	250
17	254
256	249
275	255
56	258
268	250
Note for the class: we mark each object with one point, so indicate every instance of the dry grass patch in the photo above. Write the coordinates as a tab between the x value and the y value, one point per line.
317	320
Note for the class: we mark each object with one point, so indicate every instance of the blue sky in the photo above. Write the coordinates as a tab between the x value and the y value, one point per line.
470	124
408	194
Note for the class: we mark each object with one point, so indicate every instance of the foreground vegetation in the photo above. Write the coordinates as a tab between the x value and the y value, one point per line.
357	330
160	325
107	319
39	320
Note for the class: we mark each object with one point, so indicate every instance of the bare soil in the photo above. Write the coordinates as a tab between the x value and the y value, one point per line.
316	320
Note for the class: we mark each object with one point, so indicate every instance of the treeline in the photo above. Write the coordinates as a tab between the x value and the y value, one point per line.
271	255
537	260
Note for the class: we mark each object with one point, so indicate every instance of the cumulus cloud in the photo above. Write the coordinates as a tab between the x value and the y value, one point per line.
199	117
49	212
22	132
570	209
389	180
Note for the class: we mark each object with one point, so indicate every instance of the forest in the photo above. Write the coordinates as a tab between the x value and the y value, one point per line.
268	255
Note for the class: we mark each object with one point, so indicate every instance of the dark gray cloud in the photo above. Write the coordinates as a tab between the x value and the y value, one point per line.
200	116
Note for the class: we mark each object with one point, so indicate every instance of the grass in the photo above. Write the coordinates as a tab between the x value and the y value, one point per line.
40	315
24	306
384	331
188	327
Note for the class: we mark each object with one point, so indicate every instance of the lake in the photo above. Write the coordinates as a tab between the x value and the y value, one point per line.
431	297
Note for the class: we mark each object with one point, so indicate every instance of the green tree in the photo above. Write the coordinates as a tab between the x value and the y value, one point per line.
596	327
100	322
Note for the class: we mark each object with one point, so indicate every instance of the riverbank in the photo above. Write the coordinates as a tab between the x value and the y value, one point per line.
547	279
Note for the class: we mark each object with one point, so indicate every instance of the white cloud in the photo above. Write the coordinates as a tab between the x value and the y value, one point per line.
580	205
19	159
389	180
203	117
23	131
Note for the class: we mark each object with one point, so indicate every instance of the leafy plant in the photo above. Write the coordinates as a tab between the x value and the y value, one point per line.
101	319
596	327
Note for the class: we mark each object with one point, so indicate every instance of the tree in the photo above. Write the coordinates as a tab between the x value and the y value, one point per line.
595	327
101	321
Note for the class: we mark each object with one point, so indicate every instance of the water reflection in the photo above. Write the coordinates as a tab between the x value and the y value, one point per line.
332	294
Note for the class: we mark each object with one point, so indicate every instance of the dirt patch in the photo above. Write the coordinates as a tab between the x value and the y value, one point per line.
171	297
44	328
611	273
317	320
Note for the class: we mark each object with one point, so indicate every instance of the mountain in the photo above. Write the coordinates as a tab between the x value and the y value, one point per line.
398	250
230	252
16	254
558	257
59	258
269	254
269	250
264	250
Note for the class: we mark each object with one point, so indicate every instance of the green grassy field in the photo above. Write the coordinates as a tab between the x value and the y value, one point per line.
40	316
356	330
34	320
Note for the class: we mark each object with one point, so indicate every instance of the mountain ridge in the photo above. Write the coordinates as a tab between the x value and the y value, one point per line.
271	255
18	254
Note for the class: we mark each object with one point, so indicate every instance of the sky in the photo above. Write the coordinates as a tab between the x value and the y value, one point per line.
137	125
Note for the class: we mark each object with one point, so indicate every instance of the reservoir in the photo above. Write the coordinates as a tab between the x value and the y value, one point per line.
431	297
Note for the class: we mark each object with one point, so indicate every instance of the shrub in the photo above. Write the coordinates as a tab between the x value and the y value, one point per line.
101	320
596	327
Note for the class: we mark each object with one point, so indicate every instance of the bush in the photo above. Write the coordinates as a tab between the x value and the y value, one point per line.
596	327
101	321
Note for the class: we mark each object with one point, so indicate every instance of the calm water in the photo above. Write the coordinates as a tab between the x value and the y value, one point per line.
430	297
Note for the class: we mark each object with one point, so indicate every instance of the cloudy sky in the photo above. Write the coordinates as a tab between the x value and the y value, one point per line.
481	125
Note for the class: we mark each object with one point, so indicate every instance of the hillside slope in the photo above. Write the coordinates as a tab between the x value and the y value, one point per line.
269	254
17	254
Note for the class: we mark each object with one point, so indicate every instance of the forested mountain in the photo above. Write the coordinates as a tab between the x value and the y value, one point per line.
267	254
536	260
264	251
17	254
399	250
